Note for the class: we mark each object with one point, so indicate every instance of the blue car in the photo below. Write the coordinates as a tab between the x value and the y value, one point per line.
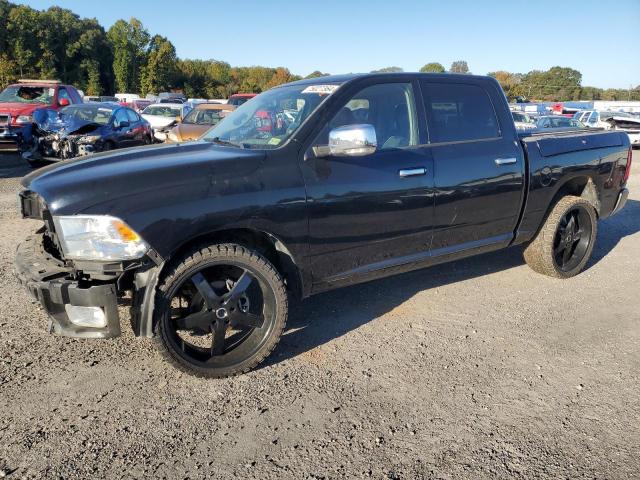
83	129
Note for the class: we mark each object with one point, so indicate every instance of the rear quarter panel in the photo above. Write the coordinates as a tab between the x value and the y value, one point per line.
556	160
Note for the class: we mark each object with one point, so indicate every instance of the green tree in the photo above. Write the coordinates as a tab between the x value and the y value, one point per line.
317	74
129	41
508	81
388	70
433	67
555	84
160	72
459	66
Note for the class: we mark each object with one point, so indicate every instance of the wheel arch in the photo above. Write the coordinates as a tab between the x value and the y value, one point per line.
581	186
269	245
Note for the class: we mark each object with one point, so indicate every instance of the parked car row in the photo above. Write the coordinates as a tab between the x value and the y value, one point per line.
19	101
82	129
627	122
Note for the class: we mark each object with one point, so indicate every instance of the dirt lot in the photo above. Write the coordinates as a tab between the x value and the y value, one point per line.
476	369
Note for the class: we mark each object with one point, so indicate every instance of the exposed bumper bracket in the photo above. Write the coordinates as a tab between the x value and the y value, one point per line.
49	282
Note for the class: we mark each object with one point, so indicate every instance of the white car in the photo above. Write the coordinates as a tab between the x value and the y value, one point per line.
161	116
626	122
523	121
127	97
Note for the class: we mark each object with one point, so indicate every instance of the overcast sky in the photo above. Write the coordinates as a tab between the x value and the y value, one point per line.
598	38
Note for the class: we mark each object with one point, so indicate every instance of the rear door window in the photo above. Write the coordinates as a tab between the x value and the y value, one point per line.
458	112
121	116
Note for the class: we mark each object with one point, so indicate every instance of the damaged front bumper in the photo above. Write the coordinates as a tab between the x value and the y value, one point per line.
54	147
51	282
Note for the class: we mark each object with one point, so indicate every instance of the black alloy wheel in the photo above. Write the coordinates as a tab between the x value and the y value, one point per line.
222	311
573	238
563	245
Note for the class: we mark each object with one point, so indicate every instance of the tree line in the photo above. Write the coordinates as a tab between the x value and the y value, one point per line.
57	43
553	85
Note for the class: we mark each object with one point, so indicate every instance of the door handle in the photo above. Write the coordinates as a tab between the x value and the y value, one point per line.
412	172
505	161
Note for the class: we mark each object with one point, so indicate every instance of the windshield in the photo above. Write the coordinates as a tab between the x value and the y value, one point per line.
162	111
605	115
237	101
269	119
27	94
87	113
205	116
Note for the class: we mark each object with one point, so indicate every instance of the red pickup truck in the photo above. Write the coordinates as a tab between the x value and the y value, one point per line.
20	100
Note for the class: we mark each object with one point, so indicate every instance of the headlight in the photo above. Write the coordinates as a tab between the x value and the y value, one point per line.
98	237
89	139
24	119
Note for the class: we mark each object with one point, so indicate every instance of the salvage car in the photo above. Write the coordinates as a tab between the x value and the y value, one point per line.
522	121
163	116
623	121
238	99
210	240
101	99
198	121
19	101
79	130
558	122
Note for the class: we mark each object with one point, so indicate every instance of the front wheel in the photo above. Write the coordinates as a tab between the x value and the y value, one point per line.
220	310
564	244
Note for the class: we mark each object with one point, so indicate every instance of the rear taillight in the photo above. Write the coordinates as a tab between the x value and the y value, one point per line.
627	171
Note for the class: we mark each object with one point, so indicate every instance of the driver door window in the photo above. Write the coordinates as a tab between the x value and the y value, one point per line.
388	107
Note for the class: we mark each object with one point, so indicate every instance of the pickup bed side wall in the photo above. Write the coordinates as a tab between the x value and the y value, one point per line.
554	174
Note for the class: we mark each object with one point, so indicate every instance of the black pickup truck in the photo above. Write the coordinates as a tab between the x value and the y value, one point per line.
309	186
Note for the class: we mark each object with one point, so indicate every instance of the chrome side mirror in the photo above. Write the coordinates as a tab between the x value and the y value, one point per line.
353	140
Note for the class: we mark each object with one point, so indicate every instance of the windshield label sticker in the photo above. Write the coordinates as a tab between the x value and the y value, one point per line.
274	141
321	89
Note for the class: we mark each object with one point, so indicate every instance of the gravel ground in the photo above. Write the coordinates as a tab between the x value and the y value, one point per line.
475	369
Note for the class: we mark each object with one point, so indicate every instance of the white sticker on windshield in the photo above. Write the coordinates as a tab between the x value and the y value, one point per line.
321	89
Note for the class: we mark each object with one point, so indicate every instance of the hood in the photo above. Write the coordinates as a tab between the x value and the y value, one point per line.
107	183
190	131
20	108
52	121
158	121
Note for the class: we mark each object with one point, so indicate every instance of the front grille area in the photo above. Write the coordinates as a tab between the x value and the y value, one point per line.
4	119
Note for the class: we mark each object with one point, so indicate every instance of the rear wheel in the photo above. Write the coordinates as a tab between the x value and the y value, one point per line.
564	244
220	311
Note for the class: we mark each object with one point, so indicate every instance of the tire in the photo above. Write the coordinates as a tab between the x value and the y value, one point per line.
245	288
108	146
561	249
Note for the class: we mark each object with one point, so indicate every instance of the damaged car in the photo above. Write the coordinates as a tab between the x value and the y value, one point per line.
163	117
79	130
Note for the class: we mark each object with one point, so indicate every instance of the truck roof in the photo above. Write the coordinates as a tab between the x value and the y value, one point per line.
344	78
